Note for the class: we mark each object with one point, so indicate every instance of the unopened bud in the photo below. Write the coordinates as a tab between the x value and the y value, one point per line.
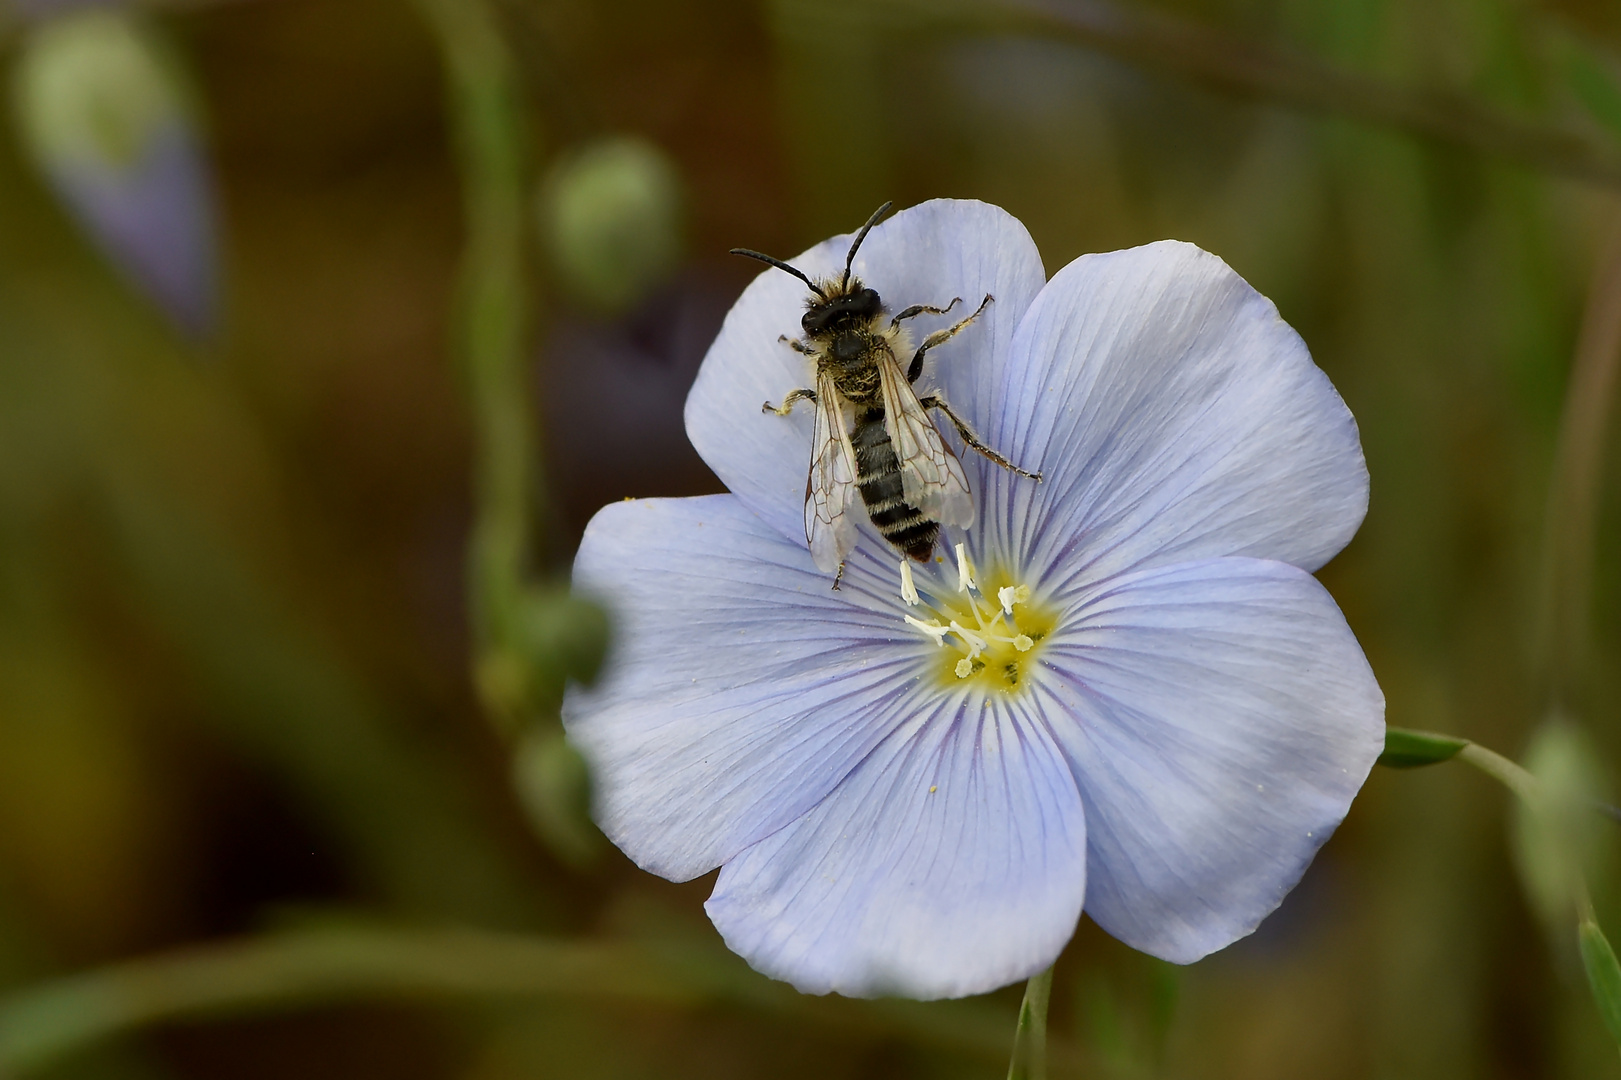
560	636
611	214
554	788
1559	838
107	119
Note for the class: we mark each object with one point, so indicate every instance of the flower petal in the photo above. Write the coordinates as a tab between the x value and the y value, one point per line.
1176	417
154	219
926	254
740	689
1219	717
951	862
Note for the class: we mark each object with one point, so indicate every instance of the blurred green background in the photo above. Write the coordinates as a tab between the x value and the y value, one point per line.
235	689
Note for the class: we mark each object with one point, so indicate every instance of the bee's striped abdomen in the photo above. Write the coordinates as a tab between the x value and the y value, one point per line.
878	476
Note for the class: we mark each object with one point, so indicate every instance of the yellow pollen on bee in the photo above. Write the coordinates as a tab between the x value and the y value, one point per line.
993	642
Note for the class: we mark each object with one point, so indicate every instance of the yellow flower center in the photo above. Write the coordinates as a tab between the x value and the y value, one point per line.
987	626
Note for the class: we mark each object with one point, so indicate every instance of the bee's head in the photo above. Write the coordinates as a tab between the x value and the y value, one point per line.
841	310
840	304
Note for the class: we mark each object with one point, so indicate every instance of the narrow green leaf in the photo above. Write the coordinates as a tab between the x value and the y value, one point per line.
1407	749
1603	975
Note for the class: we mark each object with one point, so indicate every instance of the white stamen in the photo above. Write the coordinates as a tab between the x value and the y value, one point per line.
965	570
1023	643
965	668
908	588
976	644
931	628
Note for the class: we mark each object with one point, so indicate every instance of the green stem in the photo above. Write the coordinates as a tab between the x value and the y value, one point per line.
492	332
1528	789
1510	775
1030	1039
42	1025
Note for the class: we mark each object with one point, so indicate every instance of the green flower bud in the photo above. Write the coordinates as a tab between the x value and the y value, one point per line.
94	90
611	215
1560	841
560	636
555	789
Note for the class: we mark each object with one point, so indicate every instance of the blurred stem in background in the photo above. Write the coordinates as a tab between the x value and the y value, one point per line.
1569	539
528	641
1555	821
491	332
298	969
1161	41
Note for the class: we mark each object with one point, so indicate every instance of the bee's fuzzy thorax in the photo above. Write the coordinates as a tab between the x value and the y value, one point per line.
832	289
898	338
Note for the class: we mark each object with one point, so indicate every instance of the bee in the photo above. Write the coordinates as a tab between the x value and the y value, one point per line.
873	434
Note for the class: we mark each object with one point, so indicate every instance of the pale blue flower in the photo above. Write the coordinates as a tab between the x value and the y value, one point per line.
1184	723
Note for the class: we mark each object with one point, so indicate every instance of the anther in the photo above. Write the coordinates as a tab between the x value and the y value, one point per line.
1012	594
1023	643
931	628
965	668
976	644
965	570
908	588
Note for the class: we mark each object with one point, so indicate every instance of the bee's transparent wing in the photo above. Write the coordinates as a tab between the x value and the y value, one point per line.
931	476
830	487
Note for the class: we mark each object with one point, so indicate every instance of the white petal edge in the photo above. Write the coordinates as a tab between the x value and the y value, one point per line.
1219	717
739	689
1176	417
925	254
950	863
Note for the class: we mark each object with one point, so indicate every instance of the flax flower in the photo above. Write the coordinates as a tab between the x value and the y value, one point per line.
1121	686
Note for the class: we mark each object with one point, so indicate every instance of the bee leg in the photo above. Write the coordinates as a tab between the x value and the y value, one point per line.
787	405
940	337
924	309
934	401
796	345
838	577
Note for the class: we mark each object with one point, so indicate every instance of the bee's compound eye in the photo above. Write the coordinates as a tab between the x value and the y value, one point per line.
867	302
813	320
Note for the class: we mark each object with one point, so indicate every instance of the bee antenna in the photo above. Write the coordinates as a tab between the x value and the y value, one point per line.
780	265
860	236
